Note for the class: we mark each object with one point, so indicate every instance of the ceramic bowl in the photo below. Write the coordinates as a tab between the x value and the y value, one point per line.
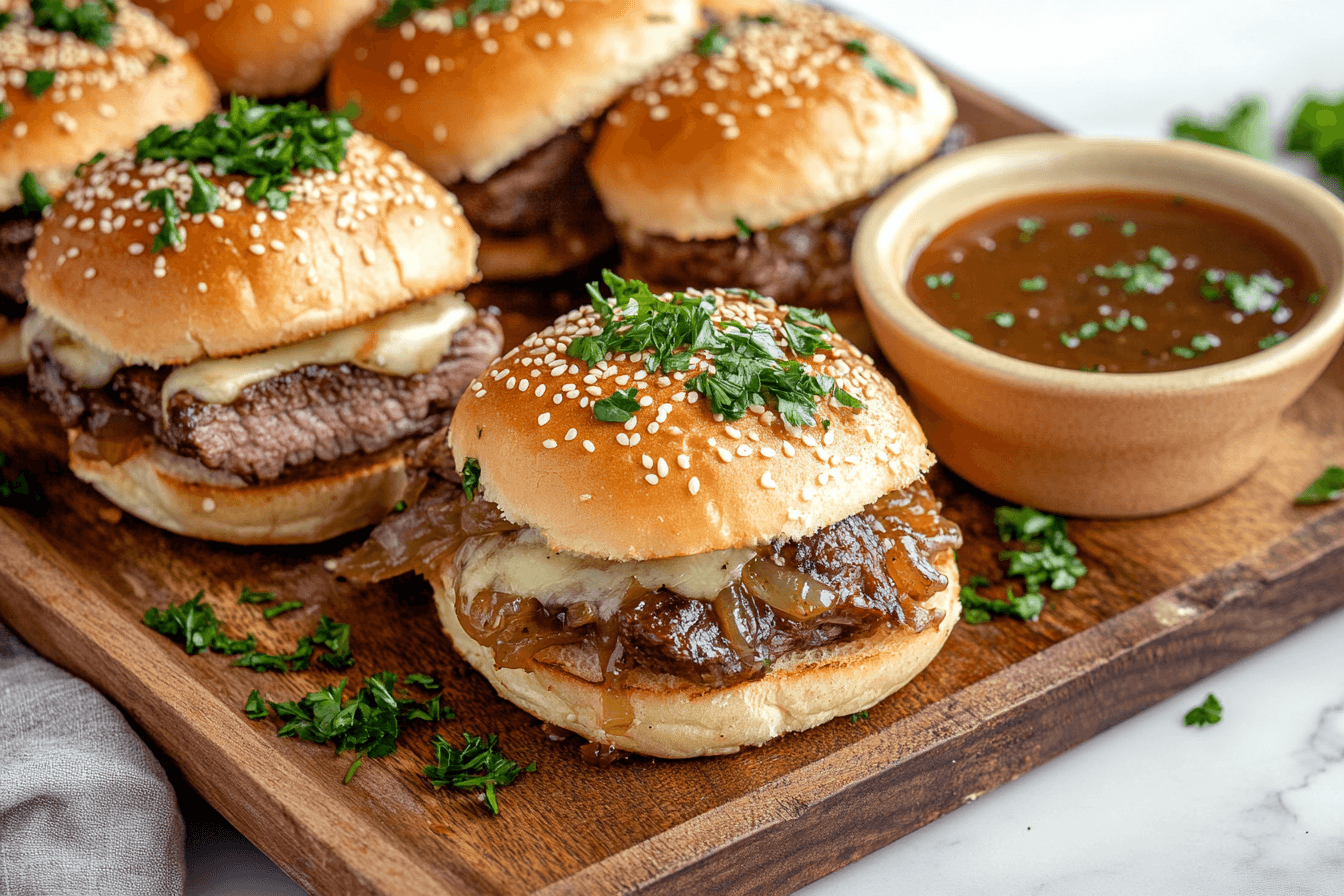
1095	444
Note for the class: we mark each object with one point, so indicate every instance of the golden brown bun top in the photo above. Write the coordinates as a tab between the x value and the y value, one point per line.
464	102
101	100
782	121
353	244
675	481
266	49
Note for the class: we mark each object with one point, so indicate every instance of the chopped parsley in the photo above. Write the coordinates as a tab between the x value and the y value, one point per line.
1129	228
91	20
1162	258
255	708
21	491
1328	487
471	477
204	195
1318	131
278	609
1146	276
878	70
1004	319
267	143
858	717
39	81
35	199
750	368
401	10
1080	229
1248	294
1272	340
1050	558
1246	129
713	42
1032	284
1124	319
480	765
962	334
977	610
194	625
399	507
5	19
248	596
743	229
933	281
368	724
1210	712
1199	344
422	680
617	407
1027	227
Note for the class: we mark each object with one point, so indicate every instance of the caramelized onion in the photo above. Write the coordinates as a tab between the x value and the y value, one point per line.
791	593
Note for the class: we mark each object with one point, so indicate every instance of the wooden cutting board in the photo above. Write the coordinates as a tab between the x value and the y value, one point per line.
1166	601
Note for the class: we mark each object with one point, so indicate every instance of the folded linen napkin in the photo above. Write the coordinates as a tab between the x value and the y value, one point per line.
85	808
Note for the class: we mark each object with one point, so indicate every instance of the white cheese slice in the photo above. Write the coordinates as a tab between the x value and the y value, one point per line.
86	366
523	565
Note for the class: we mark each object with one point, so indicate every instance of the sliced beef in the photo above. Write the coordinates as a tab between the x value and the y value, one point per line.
276	426
804	263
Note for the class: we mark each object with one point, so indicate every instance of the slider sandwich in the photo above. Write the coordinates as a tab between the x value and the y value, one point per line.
242	324
686	524
73	84
749	161
497	99
263	48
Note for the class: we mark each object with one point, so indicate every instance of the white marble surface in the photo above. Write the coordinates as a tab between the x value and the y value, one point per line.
1252	805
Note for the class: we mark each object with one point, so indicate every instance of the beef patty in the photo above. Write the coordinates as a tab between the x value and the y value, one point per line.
313	414
804	263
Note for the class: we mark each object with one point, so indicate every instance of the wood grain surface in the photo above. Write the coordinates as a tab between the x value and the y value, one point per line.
1165	602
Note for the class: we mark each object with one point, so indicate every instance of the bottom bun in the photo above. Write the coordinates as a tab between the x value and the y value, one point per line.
541	254
13	361
183	496
666	716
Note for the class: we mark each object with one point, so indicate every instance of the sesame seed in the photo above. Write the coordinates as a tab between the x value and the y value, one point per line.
694	486
257	249
544	419
725	455
742	450
647	462
549	443
623	439
589	446
651	479
571	435
684	461
662	467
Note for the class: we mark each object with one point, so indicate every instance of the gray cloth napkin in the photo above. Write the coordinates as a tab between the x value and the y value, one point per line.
85	808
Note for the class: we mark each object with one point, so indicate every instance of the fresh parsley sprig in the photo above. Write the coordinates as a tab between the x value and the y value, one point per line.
1246	129
194	625
471	477
36	200
713	41
1328	487
977	610
1318	131
749	367
479	765
91	20
21	490
1050	559
401	10
878	70
1210	712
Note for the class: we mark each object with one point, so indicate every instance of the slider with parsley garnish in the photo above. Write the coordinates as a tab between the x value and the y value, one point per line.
75	80
243	323
750	160
263	48
496	98
686	524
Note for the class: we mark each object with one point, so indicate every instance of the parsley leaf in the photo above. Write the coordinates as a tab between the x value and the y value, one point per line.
401	10
248	596
272	612
1246	129
471	477
479	765
1210	712
617	407
1032	284
39	81
743	229
878	70
36	200
1051	557
1328	487
425	681
713	42
91	20
1247	293
1318	131
335	636
204	195
191	622
977	610
256	707
170	234
858	717
21	491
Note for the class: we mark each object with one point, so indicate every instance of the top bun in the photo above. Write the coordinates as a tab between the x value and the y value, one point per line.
100	99
465	102
786	115
674	480
265	49
354	243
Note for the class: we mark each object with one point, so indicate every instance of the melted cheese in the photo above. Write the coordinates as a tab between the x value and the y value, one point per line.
87	367
406	342
524	566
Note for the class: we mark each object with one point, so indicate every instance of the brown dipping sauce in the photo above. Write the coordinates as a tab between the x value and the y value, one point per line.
1115	281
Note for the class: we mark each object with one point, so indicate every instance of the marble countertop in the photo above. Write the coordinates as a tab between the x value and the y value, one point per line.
1252	805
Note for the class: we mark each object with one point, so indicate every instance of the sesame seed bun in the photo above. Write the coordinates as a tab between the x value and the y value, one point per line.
264	49
677	719
781	123
675	482
464	102
353	244
99	101
541	254
183	496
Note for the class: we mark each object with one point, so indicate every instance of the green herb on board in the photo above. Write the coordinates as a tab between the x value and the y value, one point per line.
858	717
255	707
248	596
977	610
278	609
479	765
1245	129
1329	486
1049	557
20	489
1210	712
